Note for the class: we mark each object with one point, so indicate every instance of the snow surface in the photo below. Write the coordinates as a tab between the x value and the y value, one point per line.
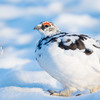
22	84
32	83
1	50
27	85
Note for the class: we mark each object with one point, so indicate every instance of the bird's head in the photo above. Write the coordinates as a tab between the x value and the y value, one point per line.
47	28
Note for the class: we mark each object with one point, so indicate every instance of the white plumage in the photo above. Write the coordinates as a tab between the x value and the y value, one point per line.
72	59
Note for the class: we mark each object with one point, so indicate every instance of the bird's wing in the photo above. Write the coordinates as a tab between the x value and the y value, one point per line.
71	42
74	42
85	45
67	42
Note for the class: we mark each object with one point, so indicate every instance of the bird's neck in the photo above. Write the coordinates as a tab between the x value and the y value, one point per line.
49	34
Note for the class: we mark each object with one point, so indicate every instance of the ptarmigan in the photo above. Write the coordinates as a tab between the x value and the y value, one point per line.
72	59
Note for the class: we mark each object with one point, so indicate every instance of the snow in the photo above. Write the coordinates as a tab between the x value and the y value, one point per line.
1	50
18	93
22	84
31	83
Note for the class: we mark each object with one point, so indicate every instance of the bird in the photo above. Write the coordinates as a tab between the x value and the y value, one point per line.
72	59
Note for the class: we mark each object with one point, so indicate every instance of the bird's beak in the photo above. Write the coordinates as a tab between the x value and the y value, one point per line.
37	27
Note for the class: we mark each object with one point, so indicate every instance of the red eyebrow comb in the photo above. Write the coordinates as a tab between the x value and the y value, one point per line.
46	23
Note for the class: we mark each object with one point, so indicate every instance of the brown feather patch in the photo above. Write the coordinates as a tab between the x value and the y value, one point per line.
67	44
88	52
80	44
73	46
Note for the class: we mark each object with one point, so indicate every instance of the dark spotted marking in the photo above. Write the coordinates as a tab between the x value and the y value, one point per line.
54	39
78	94
83	37
39	45
40	42
68	41
79	44
88	52
96	46
50	39
73	46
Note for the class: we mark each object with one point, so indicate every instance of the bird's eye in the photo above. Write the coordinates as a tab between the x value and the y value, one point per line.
46	25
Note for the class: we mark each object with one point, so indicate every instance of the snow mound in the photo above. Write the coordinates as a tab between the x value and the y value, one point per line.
18	93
